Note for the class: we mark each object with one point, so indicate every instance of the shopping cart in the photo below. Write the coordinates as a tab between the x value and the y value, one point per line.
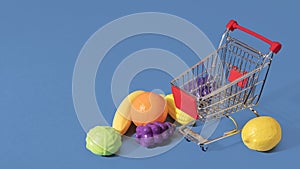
228	80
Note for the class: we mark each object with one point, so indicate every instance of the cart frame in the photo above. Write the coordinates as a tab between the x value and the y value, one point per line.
226	81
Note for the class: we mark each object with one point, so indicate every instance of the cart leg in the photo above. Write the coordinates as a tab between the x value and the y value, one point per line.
254	111
203	147
226	134
198	139
188	140
235	130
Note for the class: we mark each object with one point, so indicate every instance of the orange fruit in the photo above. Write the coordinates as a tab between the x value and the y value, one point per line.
148	107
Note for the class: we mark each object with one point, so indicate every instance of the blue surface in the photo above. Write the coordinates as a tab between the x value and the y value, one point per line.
40	42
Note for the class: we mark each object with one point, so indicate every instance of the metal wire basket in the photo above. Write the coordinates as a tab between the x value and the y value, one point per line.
228	80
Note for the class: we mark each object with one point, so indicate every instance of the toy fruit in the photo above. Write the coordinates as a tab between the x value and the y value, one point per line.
261	133
122	118
178	115
148	107
154	133
193	84
198	86
103	140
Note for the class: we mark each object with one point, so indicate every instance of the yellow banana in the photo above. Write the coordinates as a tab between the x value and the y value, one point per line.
122	119
178	115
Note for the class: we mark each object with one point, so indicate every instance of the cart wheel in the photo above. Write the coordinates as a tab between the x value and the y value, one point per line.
203	147
187	139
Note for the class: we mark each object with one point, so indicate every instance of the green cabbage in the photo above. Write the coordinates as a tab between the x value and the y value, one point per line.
103	140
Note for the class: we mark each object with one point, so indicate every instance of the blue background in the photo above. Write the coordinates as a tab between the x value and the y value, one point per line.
40	42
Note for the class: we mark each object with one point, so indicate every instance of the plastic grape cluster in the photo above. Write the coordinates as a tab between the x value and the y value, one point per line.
154	133
198	86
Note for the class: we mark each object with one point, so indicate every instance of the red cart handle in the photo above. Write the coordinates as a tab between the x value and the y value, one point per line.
274	46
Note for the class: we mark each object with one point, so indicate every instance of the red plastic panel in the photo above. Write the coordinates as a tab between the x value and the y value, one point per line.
235	74
185	102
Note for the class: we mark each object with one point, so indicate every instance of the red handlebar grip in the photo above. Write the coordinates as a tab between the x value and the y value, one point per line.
274	46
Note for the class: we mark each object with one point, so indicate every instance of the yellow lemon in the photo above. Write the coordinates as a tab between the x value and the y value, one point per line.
261	133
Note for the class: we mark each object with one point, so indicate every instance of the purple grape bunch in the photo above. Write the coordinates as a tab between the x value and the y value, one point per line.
198	86
154	133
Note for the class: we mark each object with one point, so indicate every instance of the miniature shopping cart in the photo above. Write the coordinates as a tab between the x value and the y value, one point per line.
228	80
